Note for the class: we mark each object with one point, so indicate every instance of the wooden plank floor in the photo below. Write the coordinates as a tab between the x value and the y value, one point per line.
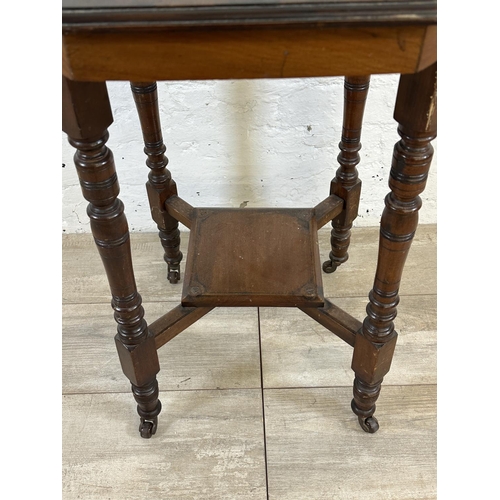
256	402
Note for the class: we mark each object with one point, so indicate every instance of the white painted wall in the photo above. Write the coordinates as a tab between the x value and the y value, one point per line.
254	142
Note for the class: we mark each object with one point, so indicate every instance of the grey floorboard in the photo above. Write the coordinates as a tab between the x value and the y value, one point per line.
214	432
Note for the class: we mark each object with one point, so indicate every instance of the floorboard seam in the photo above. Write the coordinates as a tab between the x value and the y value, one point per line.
99	303
263	404
247	389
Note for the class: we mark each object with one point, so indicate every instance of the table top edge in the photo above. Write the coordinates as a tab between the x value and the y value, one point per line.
328	13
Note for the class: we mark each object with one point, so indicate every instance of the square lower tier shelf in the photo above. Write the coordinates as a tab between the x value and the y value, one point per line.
253	257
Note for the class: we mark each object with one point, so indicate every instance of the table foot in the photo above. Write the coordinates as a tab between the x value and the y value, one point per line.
171	240
147	428
369	424
329	266
363	404
174	274
148	407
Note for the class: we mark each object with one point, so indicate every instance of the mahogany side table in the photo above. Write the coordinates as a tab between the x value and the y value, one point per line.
250	257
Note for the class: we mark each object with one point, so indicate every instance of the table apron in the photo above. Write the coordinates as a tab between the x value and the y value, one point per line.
253	52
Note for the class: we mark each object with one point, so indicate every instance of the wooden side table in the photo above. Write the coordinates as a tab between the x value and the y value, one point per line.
250	257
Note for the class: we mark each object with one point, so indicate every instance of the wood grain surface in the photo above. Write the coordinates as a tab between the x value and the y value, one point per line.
230	53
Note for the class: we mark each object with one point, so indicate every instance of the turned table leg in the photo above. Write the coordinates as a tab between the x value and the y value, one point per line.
86	117
415	112
160	185
346	184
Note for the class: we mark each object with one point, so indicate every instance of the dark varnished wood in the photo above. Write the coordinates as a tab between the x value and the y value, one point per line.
225	53
266	257
86	126
336	320
374	347
346	183
181	210
329	208
160	185
174	322
253	257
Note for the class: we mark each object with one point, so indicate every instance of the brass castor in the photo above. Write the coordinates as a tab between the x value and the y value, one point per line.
368	424
329	266
148	427
174	275
174	268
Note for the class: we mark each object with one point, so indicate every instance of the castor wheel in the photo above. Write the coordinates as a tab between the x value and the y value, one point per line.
174	276
369	424
148	427
329	266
